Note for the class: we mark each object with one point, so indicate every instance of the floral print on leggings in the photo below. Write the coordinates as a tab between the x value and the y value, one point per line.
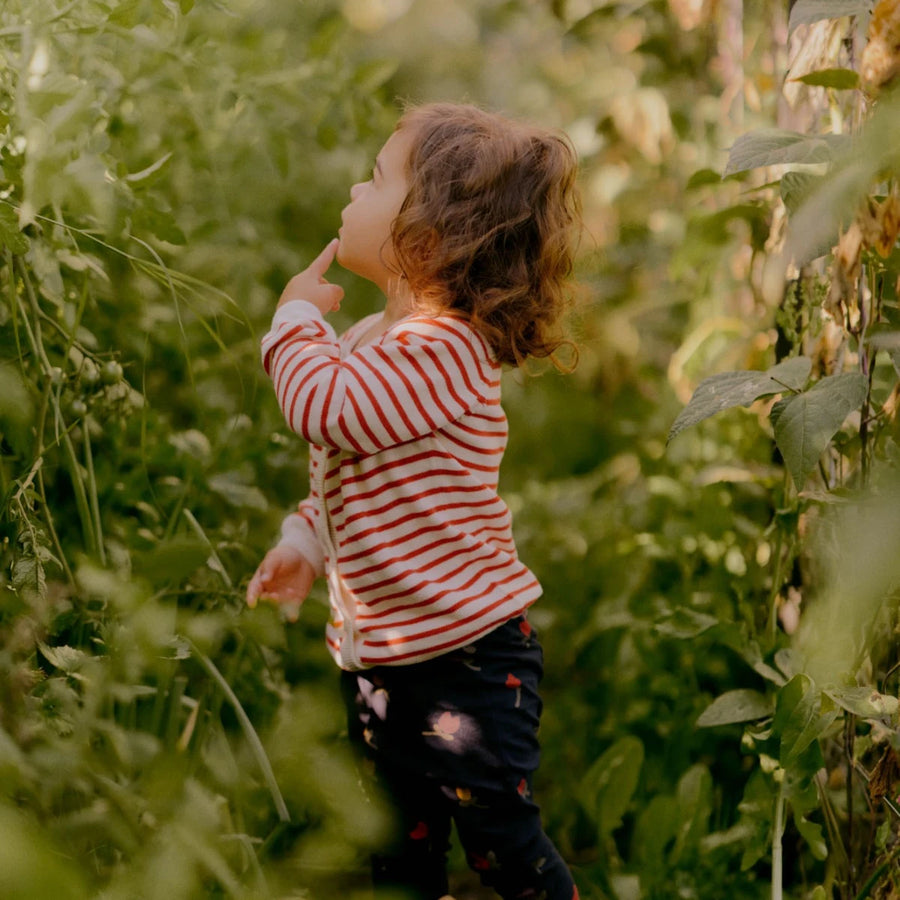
455	739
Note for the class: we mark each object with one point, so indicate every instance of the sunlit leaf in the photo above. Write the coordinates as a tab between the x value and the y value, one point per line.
729	389
805	423
864	702
67	659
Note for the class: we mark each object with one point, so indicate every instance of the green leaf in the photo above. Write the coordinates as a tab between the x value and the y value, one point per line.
864	702
796	188
805	423
729	389
839	79
703	177
775	146
17	410
68	659
695	805
11	236
172	561
685	624
610	783
811	832
732	707
805	12
799	725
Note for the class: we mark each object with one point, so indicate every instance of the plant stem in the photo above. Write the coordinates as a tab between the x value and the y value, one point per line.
849	736
250	734
92	485
777	848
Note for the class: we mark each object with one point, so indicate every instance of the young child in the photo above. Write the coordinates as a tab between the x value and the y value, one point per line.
467	226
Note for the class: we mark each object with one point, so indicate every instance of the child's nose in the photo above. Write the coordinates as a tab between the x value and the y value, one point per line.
354	191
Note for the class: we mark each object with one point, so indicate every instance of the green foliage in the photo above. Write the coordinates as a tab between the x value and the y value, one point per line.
164	167
827	710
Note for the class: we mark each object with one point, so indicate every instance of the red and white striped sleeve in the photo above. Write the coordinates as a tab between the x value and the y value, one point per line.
425	374
298	531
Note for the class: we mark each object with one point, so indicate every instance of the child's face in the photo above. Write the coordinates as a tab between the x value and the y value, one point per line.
365	234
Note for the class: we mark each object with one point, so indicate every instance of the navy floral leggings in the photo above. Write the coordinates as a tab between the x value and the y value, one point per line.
455	739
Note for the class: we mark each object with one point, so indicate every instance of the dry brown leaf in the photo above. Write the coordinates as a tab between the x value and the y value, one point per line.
884	775
845	270
881	59
889	222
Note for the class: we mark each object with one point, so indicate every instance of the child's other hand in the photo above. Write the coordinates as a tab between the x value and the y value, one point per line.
284	577
312	285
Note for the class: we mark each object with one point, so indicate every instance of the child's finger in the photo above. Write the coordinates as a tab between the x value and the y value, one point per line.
256	586
321	263
290	611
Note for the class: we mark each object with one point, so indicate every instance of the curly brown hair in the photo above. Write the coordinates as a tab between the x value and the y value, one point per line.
489	226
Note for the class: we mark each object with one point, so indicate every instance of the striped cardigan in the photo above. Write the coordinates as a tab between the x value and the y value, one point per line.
403	515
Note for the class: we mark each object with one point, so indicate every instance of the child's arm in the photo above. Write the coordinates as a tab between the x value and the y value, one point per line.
426	374
288	570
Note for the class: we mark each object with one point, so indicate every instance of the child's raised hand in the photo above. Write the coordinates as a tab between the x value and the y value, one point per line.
284	577
312	285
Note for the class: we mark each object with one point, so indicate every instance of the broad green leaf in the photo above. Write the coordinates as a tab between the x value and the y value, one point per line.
799	723
729	389
805	12
775	146
864	702
732	707
610	783
805	423
839	79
